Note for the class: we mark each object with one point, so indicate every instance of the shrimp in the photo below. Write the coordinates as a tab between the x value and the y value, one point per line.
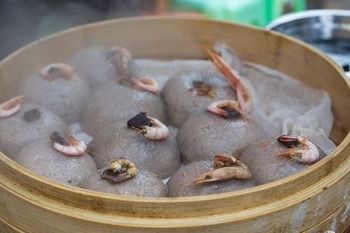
151	127
244	96
148	84
10	107
119	170
56	70
121	58
225	167
223	173
70	146
227	160
299	149
157	131
225	108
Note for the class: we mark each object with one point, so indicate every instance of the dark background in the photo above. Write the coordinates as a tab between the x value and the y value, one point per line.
22	21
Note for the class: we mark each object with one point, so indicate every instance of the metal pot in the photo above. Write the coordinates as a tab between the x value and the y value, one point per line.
327	30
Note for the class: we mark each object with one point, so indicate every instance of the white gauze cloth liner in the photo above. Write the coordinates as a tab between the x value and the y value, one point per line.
288	106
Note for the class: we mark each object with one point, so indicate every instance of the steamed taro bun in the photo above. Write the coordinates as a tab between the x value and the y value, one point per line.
30	123
59	89
41	158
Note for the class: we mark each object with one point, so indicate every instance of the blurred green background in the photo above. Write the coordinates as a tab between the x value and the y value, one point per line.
253	12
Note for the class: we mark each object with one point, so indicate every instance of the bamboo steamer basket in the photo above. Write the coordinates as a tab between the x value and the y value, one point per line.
313	200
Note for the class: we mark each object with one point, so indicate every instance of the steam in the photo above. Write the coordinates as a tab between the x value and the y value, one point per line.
23	21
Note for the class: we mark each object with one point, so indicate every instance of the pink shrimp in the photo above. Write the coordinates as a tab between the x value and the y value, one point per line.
70	146
157	131
148	84
119	170
243	93
299	149
225	167
151	127
56	70
227	160
121	58
223	173
225	108
10	107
